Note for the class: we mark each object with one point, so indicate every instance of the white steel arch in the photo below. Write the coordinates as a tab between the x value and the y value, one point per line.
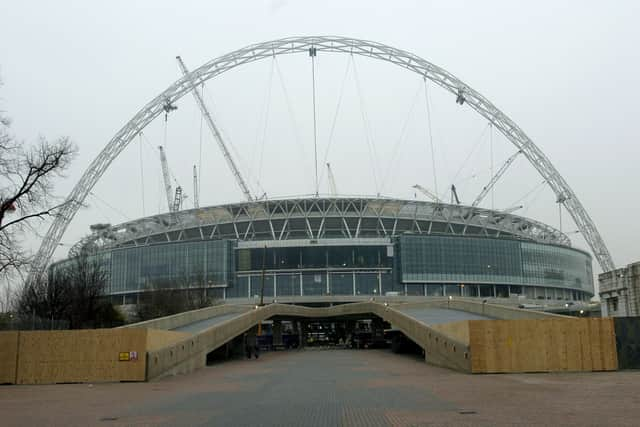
441	77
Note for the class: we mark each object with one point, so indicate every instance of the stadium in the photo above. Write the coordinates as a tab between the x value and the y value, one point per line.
342	246
331	245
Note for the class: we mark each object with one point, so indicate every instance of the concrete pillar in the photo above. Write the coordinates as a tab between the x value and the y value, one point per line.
300	327
328	284
301	290
353	276
275	281
377	331
277	332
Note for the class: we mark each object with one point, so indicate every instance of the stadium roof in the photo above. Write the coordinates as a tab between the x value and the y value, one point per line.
320	218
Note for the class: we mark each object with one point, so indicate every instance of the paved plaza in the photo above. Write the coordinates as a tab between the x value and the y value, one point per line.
332	388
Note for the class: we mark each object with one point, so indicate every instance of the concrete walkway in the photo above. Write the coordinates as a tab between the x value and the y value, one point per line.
437	316
333	388
201	325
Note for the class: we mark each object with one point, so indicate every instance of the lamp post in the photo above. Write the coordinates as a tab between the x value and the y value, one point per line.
264	261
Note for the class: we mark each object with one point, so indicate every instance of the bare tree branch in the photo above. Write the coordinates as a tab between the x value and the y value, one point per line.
34	215
27	175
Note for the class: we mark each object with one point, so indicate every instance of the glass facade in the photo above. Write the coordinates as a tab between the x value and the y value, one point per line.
420	265
556	266
176	265
441	259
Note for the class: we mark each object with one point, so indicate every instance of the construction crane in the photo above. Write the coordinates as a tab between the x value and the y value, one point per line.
427	193
454	195
332	181
196	190
216	133
167	180
174	200
178	198
495	179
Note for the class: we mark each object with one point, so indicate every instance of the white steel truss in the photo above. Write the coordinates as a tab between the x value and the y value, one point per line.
463	94
322	218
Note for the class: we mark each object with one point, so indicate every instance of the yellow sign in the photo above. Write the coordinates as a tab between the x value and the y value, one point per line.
123	356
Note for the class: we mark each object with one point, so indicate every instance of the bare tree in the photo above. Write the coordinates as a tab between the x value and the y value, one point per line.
73	291
50	297
27	174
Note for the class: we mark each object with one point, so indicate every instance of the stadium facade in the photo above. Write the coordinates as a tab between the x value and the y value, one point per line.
341	246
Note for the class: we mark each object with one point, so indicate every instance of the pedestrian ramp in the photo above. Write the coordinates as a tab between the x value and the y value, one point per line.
467	336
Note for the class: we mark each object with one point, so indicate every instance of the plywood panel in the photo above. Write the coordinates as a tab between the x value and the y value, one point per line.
596	345
608	336
8	356
542	345
574	348
81	356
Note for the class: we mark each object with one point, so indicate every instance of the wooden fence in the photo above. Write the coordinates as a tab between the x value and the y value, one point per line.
93	355
542	345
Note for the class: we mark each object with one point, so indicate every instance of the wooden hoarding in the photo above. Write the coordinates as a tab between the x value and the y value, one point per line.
81	356
8	356
542	345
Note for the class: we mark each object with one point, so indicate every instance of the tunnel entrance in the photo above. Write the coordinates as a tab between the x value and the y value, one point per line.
294	333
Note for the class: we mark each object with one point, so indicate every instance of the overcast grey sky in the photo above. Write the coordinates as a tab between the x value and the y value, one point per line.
565	71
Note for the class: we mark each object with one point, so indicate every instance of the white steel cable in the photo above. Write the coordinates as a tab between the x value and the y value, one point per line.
433	157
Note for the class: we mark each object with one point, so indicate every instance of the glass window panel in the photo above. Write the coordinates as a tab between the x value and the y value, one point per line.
470	291
529	292
502	291
434	290
240	288
314	283
389	284
288	284
453	290
314	257
341	283
486	291
415	290
367	284
256	285
341	257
